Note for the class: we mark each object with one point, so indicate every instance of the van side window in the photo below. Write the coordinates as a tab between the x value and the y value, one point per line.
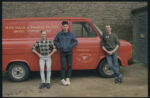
82	29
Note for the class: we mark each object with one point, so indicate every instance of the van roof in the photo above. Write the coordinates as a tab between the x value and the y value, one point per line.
48	18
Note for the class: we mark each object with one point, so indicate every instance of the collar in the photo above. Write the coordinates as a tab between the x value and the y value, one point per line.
43	39
108	34
65	32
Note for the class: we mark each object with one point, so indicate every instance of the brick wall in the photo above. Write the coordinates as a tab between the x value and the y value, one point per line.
117	14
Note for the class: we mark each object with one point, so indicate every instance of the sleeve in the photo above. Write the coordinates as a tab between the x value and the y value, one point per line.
56	41
35	46
53	46
117	40
75	42
102	41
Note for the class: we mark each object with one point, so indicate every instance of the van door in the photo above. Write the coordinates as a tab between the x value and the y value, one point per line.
86	53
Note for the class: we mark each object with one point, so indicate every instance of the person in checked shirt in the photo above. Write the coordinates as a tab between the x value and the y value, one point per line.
44	48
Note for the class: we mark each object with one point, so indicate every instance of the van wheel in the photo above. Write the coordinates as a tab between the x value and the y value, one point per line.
18	72
104	70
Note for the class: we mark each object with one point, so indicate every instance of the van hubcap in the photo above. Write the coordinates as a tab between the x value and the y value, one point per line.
18	72
107	70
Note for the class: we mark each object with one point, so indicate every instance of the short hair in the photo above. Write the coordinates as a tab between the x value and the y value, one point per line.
108	25
64	22
42	31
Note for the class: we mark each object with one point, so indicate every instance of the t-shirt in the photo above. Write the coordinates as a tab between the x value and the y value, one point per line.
109	41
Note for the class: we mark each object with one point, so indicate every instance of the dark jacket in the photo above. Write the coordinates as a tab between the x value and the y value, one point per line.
65	41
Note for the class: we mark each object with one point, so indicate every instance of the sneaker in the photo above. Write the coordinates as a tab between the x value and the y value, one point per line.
63	82
42	85
68	81
116	80
48	85
120	78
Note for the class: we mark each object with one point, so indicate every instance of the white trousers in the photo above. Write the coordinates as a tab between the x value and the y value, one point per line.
48	62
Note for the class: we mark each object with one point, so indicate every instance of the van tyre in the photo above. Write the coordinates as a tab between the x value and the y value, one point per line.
18	72
104	70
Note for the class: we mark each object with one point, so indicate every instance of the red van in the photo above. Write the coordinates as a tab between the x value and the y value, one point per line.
20	34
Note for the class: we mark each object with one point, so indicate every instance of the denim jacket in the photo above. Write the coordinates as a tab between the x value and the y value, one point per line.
65	41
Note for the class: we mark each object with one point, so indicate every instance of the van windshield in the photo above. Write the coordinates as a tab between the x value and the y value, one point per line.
98	29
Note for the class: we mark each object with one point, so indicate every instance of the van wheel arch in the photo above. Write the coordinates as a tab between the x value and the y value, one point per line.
9	64
101	64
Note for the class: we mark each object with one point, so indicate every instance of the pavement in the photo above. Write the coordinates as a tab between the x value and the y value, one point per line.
84	83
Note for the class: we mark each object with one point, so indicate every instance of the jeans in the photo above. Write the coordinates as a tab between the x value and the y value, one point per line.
47	61
113	63
66	56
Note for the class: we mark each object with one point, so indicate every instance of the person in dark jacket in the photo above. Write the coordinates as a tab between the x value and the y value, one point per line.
65	41
110	44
